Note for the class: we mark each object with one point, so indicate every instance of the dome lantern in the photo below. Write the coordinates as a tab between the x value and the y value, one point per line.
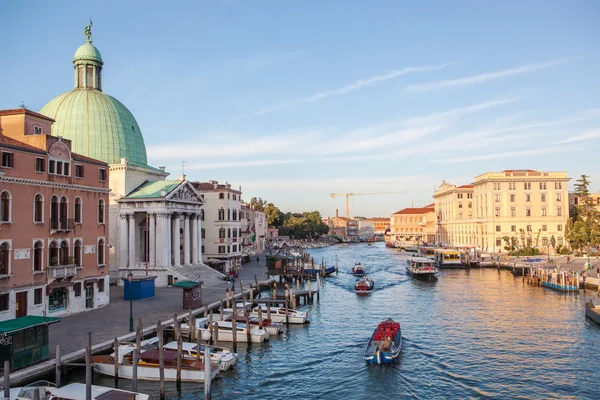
87	63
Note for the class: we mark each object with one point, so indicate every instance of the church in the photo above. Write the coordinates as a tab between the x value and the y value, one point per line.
154	222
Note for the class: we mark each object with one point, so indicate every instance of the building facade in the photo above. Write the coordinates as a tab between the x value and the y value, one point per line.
528	207
413	225
346	228
222	236
254	231
53	222
575	200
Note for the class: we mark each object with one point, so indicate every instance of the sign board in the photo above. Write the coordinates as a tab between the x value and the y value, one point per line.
22	254
89	249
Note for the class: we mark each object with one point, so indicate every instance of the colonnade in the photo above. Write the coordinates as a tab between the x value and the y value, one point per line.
164	239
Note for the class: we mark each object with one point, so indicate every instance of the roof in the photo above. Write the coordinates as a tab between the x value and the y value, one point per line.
22	110
210	187
186	284
29	321
465	187
345	219
421	210
153	189
87	51
14	144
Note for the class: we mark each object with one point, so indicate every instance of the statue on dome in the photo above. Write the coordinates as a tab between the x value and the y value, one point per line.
88	31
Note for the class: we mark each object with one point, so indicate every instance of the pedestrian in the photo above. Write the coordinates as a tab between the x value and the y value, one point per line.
257	260
568	259
598	272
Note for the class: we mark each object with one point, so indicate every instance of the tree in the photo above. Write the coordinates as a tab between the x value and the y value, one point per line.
258	203
273	215
584	232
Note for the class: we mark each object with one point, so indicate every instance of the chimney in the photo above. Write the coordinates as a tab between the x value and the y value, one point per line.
336	212
181	177
162	168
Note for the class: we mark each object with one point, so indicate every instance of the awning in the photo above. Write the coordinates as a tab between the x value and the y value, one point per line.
90	281
29	321
57	285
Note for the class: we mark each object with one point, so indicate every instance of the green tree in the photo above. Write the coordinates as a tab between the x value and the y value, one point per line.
258	203
273	215
585	224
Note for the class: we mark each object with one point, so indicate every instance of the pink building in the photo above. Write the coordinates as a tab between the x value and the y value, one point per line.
53	221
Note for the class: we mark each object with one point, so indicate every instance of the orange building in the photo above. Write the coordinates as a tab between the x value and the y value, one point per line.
53	221
413	225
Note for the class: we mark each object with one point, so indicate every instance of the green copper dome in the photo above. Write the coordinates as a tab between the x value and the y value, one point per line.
98	125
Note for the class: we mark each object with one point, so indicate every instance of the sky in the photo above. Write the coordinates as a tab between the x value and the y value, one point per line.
294	100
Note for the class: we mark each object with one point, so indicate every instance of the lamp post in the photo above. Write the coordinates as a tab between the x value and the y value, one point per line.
130	278
548	245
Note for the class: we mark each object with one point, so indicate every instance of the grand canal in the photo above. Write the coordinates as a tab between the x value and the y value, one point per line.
469	335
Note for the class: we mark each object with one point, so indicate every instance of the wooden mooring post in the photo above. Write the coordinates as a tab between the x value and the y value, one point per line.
310	295
134	372
161	359
58	367
138	335
216	333
175	326
7	379
227	296
268	311
257	287
221	310
207	373
88	373
260	321
116	362
234	333
179	361
198	346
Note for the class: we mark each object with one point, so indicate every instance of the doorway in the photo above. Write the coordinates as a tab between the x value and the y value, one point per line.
89	296
21	308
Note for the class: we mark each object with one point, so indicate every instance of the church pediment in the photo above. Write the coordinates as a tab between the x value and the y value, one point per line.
185	193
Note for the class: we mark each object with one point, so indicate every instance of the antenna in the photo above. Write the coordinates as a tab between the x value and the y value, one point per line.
183	167
22	105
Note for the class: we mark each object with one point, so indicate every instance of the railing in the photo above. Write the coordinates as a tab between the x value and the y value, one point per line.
64	225
62	271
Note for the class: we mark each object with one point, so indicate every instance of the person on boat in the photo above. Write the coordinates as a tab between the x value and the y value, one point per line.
386	344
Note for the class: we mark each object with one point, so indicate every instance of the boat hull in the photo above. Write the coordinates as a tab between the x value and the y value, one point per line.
427	276
153	373
560	288
592	313
373	354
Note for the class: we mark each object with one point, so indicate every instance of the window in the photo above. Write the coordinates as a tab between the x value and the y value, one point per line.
459	205
77	253
221	249
513	228
4	258
469	195
101	211
202	249
51	166
53	253
78	171
77	213
37	130
37	296
234	215
38	209
544	228
513	212
497	198
559	211
512	198
497	186
529	242
101	285
62	214
229	195
38	256
460	196
497	211
59	169
544	241
4	302
543	197
40	163
201	215
221	214
222	233
559	228
529	228
229	233
557	185
221	196
100	252
559	241
498	242
527	197
542	185
512	186
8	160
67	169
498	228
228	214
235	197
470	206
64	253
203	233
54	212
527	185
528	212
101	174
5	206
558	197
77	289
543	211
234	248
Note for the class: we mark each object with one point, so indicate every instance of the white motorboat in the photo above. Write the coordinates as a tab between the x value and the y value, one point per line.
72	391
278	314
226	331
127	348
274	328
421	267
192	370
221	355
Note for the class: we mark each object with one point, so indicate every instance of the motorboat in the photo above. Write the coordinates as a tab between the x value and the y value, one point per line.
278	314
72	391
192	370
364	285
226	331
221	355
447	259
273	328
421	268
127	348
592	312
358	270
385	344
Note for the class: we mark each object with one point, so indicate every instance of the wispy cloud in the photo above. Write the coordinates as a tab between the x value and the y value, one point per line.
241	163
481	78
506	154
374	80
461	111
583	136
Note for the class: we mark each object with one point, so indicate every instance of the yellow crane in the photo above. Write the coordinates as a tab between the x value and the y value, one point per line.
334	195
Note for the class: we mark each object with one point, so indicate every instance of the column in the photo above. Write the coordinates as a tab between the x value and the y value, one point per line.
152	238
176	241
123	242
195	239
199	239
160	233
167	239
132	240
186	240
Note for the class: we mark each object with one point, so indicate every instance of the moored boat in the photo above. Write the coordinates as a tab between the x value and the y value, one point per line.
221	355
72	391
385	344
592	312
226	329
448	259
358	270
421	268
364	285
192	370
278	314
273	328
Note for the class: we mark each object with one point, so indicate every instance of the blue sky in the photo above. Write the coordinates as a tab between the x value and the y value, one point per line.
295	100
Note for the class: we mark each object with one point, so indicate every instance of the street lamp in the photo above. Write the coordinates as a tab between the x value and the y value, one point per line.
548	245
130	278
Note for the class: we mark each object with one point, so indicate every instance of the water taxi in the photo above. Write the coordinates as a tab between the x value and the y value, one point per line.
364	285
192	370
358	270
385	344
422	268
221	355
448	259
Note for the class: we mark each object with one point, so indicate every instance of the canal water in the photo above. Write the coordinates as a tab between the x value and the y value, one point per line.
471	334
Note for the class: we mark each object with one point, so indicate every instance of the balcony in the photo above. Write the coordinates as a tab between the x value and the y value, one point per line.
62	271
61	225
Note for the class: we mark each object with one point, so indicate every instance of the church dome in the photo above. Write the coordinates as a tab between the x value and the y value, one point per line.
98	125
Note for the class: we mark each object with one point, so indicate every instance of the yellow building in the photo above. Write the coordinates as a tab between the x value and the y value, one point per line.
574	200
413	225
504	204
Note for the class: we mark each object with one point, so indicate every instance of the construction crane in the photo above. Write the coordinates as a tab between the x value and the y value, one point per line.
334	195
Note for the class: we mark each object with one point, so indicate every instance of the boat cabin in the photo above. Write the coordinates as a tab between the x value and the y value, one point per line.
427	252
447	258
421	263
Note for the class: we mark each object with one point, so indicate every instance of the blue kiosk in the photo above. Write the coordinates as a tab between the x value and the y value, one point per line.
139	287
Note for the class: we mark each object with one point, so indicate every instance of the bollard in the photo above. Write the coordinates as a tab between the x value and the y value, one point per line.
216	333
134	370
58	366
